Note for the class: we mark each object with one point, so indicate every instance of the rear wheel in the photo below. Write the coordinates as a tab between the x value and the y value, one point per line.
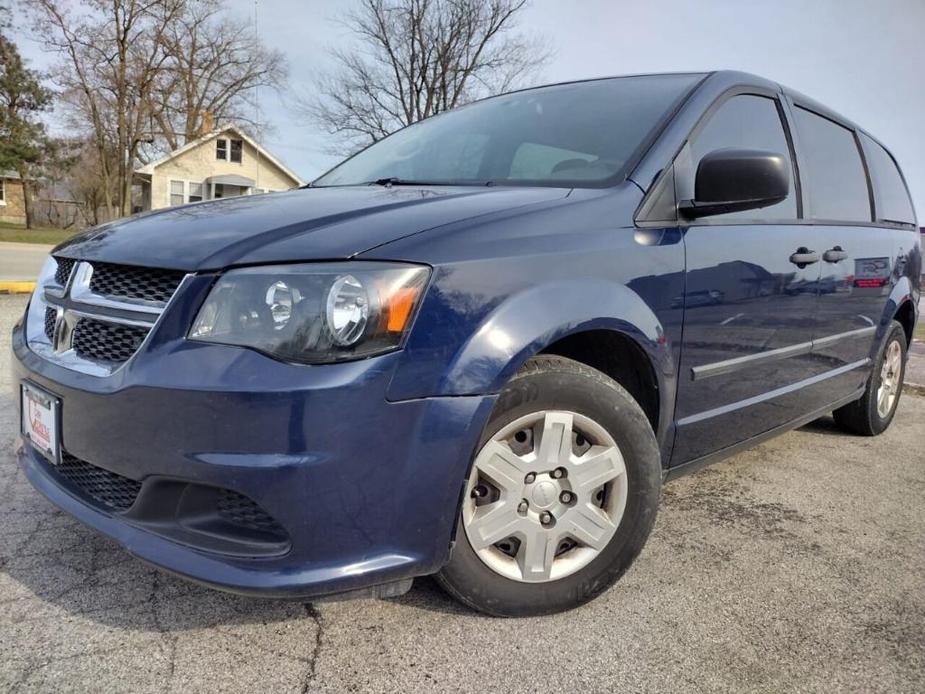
561	496
873	413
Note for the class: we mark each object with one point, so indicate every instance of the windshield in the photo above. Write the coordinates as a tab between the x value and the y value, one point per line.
577	134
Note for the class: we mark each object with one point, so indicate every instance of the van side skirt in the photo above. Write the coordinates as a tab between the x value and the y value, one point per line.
698	463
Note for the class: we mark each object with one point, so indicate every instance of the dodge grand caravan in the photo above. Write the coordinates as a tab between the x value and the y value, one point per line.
478	347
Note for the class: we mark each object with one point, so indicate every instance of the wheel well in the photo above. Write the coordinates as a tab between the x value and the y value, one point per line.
906	315
619	357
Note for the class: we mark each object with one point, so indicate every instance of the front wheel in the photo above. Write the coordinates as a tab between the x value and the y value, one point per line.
561	496
873	413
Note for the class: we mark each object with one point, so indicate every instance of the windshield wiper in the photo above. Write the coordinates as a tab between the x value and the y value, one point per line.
396	181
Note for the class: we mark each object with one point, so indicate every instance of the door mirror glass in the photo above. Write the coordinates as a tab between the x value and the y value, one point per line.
732	180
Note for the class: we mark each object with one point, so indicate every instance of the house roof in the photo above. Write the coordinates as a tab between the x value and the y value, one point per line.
11	175
232	179
149	168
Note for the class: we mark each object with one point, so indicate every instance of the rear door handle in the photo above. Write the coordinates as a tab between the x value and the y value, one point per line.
804	257
834	255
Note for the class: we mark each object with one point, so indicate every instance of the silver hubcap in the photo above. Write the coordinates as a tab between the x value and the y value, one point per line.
545	496
890	382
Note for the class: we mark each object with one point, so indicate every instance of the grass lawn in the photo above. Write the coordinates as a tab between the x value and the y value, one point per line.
19	234
920	330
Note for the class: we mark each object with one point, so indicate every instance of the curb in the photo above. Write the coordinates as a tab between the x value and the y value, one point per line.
16	287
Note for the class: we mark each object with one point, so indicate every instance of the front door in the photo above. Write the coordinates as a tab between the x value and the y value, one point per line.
750	300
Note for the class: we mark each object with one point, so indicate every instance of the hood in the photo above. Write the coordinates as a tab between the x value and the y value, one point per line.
304	224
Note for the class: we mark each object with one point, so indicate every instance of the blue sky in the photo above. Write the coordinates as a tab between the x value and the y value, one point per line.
863	58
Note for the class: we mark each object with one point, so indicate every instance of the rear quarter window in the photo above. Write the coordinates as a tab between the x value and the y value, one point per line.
891	198
831	170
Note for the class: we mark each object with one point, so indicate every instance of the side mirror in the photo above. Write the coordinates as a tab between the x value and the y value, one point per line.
732	180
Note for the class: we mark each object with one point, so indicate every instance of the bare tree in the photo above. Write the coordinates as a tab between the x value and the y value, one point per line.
138	76
111	53
217	65
417	58
81	183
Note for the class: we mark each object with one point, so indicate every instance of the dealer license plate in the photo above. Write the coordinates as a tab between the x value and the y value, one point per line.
40	419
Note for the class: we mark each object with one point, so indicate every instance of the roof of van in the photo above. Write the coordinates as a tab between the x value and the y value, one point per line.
729	79
732	78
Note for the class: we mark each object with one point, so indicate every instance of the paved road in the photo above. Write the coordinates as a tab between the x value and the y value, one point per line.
915	371
21	261
797	566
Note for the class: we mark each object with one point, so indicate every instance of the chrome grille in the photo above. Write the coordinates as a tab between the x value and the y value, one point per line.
148	284
92	316
63	273
51	318
112	342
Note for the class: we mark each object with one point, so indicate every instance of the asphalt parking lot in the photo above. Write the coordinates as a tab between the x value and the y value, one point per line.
798	566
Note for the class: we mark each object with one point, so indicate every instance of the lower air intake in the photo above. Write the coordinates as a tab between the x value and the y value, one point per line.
101	487
239	510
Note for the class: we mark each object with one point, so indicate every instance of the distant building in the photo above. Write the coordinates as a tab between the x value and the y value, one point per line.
12	198
225	163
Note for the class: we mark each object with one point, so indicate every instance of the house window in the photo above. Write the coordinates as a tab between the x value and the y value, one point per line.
195	192
176	193
221	149
236	148
2	192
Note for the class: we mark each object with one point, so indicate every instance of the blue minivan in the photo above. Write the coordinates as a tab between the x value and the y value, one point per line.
477	348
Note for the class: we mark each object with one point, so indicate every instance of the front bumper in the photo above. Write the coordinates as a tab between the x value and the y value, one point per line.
367	490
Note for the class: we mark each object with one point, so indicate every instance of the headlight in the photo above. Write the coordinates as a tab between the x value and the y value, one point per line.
315	313
347	310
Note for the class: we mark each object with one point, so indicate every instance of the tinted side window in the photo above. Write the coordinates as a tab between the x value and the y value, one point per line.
833	174
891	199
746	122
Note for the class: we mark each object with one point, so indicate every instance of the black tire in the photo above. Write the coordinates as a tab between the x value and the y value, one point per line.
862	416
551	383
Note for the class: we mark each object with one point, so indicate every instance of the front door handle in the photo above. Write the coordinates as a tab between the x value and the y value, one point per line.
835	255
804	257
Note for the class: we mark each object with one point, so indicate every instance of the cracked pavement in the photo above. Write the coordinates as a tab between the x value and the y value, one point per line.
798	565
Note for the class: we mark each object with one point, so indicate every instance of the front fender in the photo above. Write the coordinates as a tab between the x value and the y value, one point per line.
498	342
539	316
